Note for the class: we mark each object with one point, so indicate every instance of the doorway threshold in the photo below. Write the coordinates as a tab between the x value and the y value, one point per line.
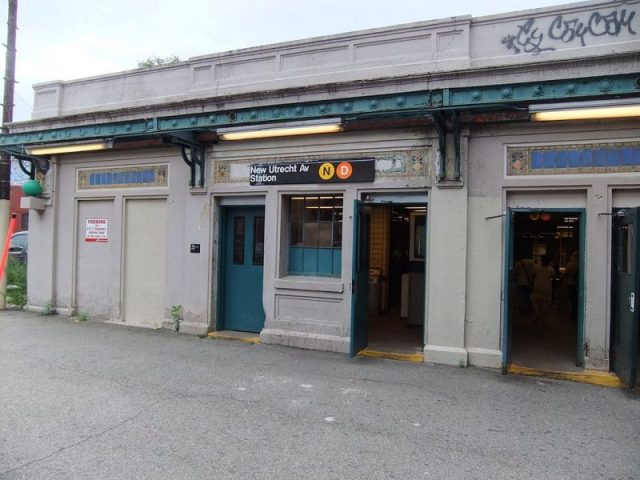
402	357
592	377
244	337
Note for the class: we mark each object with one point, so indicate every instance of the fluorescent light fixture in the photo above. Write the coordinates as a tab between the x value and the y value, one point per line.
285	129
615	108
61	148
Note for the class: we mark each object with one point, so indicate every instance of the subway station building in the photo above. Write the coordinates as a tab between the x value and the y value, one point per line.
368	191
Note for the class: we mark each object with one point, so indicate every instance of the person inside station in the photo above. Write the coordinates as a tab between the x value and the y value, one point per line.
542	291
523	274
570	280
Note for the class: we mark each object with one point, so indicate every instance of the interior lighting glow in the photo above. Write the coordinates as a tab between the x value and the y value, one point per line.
68	148
253	132
585	110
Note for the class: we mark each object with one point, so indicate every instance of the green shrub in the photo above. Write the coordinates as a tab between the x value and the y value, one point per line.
16	282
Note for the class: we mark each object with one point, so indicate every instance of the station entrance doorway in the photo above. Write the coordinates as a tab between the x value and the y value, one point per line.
389	279
544	311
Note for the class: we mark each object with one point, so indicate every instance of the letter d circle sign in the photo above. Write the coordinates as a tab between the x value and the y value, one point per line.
326	171
344	170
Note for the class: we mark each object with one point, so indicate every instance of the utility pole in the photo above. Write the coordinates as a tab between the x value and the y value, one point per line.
7	117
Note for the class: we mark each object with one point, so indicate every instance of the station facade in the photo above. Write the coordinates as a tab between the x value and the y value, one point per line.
203	184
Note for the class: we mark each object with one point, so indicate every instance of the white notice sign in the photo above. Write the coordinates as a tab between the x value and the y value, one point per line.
97	230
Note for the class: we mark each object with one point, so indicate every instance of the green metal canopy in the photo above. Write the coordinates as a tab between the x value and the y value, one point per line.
443	106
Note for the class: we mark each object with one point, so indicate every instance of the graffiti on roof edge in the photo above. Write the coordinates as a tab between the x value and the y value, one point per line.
536	37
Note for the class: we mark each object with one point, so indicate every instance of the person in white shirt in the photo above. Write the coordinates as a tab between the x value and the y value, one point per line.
542	293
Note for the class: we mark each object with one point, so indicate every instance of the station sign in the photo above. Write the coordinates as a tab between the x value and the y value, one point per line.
317	171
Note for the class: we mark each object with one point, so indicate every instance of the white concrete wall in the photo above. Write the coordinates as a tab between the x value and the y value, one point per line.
446	264
41	269
188	222
432	53
484	265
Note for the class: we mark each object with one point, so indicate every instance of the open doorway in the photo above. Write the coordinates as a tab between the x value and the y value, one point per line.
395	253
545	300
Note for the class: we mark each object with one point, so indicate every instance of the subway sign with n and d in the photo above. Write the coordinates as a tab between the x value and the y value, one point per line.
322	171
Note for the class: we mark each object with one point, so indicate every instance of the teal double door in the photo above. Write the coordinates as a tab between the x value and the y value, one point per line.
625	290
242	254
360	279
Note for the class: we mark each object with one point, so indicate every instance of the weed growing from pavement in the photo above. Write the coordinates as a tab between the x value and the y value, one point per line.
48	309
176	316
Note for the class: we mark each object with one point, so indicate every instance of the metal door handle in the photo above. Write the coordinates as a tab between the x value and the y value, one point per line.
632	302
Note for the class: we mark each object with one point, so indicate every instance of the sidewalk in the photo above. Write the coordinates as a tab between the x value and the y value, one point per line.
93	400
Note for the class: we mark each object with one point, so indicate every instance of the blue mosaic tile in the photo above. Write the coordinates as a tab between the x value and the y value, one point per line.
562	158
573	158
627	156
549	159
613	158
585	160
536	159
123	177
593	158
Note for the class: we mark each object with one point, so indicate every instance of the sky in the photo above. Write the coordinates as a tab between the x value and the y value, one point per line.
70	39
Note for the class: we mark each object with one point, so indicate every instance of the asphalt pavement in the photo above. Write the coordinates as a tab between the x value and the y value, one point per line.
89	400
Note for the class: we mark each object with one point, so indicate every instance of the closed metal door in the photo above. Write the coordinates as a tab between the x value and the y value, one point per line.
243	257
624	294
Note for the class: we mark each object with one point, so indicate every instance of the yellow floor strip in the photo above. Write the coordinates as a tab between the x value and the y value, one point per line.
403	357
253	339
593	377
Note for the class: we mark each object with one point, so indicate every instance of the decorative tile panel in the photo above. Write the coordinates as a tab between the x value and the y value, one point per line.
123	177
388	165
573	159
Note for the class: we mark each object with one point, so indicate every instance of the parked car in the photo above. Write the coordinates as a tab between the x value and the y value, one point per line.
19	246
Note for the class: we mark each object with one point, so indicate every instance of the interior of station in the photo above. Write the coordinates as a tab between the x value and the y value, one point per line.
397	252
544	290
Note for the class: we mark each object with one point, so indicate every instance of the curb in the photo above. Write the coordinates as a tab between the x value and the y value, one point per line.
592	377
402	357
251	340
